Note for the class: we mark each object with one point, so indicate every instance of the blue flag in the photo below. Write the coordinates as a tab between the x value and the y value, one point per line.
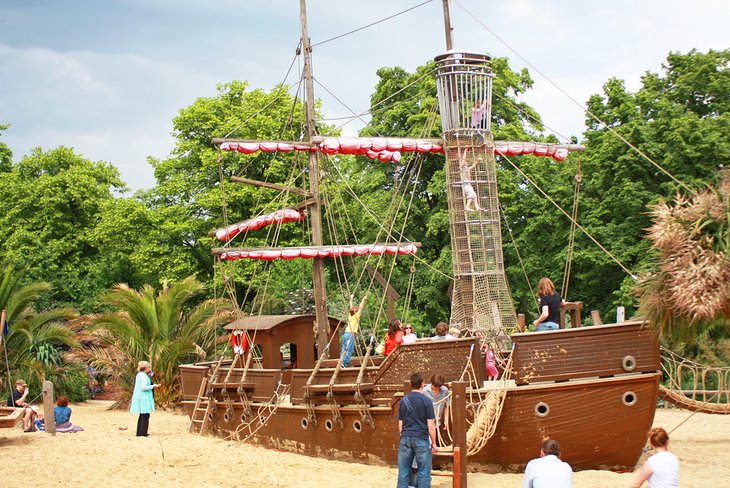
6	329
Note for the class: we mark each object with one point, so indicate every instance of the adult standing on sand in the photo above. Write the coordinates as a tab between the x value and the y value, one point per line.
417	428
661	469
143	400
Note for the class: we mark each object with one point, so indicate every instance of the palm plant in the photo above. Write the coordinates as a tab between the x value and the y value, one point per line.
34	339
161	328
687	295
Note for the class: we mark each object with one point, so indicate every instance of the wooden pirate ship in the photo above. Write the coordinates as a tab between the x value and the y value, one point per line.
592	388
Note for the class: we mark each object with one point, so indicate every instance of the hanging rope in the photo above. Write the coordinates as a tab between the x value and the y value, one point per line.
571	236
614	258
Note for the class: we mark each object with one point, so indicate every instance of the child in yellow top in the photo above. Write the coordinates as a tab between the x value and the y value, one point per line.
347	345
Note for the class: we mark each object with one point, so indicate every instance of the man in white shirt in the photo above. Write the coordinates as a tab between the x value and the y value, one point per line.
548	471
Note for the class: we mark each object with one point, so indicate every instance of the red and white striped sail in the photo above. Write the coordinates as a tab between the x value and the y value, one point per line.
287	253
278	217
389	149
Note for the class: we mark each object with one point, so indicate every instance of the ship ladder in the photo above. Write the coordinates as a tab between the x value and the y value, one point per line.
200	412
202	415
453	456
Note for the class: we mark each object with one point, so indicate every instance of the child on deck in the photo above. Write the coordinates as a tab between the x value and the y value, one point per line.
490	363
353	327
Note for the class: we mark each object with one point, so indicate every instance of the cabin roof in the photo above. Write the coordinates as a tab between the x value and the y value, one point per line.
268	322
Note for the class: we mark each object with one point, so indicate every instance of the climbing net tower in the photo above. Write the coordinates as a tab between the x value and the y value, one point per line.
481	300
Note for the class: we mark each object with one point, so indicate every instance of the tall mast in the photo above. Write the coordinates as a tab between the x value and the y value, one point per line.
447	26
320	292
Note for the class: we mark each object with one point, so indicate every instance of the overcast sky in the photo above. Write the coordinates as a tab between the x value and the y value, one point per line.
107	77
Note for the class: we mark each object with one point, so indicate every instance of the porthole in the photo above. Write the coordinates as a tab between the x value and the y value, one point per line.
542	409
629	399
628	363
210	416
225	417
328	425
305	423
243	418
357	426
262	419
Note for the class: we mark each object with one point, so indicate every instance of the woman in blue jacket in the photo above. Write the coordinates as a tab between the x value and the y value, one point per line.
143	400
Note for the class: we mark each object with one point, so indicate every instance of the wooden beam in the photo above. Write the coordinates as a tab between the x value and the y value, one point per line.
272	186
304	204
383	282
458	403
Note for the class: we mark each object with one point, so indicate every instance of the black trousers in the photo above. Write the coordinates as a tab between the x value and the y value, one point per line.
143	423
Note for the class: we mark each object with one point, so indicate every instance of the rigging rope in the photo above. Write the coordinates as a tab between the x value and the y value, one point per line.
614	258
370	24
571	237
583	108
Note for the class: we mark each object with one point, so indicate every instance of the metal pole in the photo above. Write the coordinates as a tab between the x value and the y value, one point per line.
320	292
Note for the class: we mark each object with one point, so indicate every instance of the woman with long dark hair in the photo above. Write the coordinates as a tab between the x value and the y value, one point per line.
550	303
393	337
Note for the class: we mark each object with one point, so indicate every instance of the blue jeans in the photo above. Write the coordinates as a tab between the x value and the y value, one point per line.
547	326
347	347
411	447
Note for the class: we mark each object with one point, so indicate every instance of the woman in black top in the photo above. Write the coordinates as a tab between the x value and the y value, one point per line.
550	303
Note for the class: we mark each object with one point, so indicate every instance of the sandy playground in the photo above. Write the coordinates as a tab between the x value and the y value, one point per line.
108	454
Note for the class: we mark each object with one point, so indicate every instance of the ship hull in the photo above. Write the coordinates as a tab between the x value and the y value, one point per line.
600	416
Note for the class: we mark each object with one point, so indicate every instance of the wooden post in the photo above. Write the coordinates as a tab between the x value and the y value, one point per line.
3	318
48	404
447	26
318	284
596	317
521	322
620	314
458	404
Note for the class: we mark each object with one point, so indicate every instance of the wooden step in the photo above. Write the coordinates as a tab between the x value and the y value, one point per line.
340	389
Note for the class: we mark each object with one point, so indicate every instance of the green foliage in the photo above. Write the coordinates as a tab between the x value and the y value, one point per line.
680	121
49	202
35	340
165	328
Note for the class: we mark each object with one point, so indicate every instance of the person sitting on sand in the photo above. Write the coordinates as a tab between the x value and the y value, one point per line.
548	471
17	398
661	469
62	413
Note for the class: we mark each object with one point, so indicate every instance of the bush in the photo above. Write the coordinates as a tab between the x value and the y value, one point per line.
71	380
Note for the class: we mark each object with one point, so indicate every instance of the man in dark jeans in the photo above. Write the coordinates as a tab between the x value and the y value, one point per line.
417	427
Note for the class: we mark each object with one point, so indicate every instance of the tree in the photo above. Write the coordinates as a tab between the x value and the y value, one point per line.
49	203
35	341
679	120
164	328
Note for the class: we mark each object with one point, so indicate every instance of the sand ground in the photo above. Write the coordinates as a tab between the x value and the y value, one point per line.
107	454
